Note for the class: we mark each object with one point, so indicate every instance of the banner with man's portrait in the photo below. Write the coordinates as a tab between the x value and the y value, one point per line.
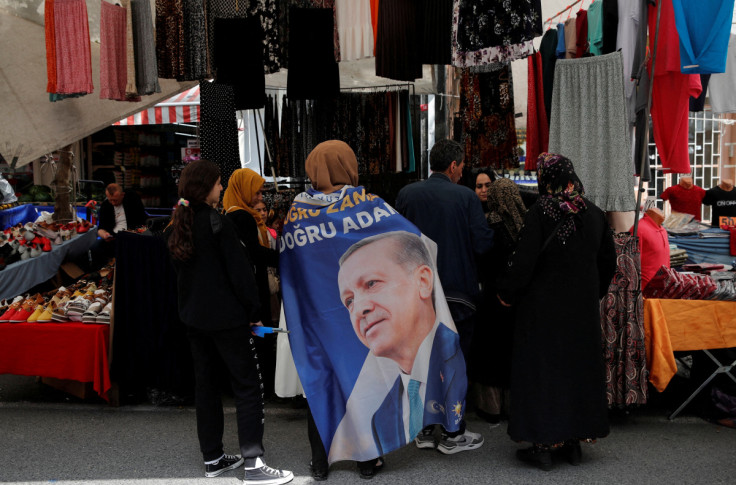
371	334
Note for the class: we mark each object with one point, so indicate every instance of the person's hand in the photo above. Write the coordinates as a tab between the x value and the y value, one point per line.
255	324
104	234
502	302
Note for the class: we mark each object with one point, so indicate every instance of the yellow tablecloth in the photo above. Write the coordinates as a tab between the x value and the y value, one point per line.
671	325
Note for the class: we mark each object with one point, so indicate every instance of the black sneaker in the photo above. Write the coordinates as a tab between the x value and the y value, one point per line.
227	462
265	475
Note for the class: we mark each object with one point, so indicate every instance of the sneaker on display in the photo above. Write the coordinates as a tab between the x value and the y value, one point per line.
227	462
464	442
263	474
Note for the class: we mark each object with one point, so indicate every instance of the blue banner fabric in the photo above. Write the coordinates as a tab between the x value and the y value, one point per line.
367	316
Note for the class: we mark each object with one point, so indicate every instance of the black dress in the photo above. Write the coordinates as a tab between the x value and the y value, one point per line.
558	387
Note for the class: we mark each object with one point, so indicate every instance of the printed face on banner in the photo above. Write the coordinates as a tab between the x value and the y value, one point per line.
390	304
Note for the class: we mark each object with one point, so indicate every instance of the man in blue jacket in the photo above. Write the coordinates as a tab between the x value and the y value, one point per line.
452	216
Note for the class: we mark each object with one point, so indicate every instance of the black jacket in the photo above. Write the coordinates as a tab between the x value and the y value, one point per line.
217	289
261	257
452	216
135	214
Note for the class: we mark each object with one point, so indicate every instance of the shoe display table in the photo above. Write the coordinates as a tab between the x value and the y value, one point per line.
23	275
74	351
686	325
22	213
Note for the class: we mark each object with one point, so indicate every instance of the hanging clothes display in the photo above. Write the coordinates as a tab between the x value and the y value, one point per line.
398	43
239	54
571	38
703	29
589	127
354	27
170	41
595	28
487	114
491	31
622	325
113	54
72	47
131	91
313	72
549	58
436	46
146	66
265	10
218	128
560	50
698	103
723	85
195	36
629	25
537	129
581	26
610	25
671	94
50	31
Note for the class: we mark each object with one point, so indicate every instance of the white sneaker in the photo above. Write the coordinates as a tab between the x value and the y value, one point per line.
464	442
263	474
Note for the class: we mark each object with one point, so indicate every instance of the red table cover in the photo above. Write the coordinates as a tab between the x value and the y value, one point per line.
75	351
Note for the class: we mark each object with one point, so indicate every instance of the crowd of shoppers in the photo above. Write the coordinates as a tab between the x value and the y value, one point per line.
522	285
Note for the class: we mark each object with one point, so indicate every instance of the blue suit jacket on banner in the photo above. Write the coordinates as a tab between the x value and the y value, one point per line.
328	355
444	399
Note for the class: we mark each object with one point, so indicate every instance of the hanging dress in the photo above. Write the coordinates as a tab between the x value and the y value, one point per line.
622	326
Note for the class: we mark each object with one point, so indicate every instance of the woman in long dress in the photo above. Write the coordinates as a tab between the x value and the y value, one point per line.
563	264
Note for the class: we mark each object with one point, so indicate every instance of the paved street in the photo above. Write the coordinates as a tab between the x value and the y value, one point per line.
48	438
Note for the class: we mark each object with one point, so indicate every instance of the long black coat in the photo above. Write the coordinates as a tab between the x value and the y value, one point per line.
557	376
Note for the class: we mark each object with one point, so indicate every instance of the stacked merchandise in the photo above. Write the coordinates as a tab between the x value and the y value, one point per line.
85	301
726	286
670	284
677	256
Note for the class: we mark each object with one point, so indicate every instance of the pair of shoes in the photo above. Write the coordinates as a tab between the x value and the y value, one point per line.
425	439
573	452
319	472
368	470
227	462
542	458
464	442
263	474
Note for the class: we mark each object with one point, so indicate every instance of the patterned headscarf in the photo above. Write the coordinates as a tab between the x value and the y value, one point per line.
560	191
332	165
505	205
241	188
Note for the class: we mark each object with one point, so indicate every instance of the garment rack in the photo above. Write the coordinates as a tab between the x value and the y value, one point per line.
569	7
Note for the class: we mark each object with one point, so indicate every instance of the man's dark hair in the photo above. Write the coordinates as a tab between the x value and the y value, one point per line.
443	153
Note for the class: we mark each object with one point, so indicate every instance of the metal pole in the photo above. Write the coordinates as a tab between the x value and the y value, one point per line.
645	143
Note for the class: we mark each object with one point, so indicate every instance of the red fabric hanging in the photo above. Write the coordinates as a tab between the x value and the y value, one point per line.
50	46
537	129
671	93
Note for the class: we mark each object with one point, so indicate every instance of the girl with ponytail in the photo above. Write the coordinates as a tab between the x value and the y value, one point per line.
218	303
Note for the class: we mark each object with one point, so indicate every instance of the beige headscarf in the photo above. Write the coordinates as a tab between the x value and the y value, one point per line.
331	165
241	188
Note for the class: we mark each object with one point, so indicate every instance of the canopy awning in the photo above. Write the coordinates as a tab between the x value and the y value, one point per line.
182	108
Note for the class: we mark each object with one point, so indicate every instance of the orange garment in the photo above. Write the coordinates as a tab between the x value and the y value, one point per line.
671	325
48	13
671	94
374	21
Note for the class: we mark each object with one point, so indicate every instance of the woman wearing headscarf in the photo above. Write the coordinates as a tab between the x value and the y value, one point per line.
491	349
244	191
331	167
564	261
